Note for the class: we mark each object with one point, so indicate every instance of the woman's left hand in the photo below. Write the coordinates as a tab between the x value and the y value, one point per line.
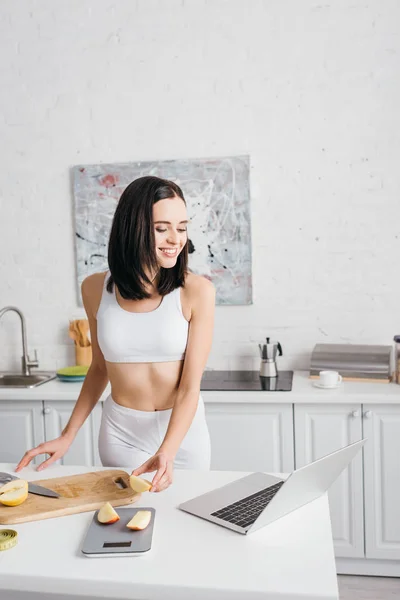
164	466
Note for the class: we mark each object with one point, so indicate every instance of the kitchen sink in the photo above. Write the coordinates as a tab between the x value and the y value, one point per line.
19	380
24	379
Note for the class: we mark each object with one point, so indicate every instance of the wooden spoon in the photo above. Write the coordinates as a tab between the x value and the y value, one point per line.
72	332
79	331
83	326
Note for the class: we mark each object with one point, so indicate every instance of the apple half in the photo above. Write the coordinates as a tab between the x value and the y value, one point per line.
14	492
140	521
107	514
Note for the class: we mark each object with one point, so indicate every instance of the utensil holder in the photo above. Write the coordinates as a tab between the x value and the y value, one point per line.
83	355
396	377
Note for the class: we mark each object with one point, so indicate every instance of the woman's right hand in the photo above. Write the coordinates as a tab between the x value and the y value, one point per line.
56	448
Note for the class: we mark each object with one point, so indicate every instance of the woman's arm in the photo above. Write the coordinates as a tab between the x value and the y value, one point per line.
202	300
93	386
197	350
96	379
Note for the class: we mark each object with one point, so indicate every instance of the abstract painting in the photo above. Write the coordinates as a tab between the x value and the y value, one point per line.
217	193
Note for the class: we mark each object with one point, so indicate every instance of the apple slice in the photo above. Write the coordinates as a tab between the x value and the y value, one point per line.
107	514
139	485
140	520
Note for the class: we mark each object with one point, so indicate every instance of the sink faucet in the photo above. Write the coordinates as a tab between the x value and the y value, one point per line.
27	363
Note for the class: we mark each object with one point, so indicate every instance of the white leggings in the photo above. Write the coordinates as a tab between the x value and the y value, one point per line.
128	437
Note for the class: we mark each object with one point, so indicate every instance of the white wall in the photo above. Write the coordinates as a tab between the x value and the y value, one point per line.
310	90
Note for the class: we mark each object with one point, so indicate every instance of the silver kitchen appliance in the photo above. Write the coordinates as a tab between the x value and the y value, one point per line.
396	375
118	540
354	362
268	354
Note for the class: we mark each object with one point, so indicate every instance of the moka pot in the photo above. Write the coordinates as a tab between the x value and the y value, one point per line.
268	353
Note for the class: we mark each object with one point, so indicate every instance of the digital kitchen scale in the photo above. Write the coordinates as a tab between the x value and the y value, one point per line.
115	539
246	381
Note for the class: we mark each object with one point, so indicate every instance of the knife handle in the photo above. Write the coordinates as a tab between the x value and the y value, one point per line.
6	477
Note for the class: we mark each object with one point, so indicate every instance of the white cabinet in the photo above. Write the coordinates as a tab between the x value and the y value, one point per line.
381	425
319	430
26	424
21	428
246	436
84	448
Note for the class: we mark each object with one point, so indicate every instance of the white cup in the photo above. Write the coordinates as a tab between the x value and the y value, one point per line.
329	378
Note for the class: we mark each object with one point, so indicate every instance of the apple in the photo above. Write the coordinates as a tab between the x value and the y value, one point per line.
140	520
14	492
107	514
139	485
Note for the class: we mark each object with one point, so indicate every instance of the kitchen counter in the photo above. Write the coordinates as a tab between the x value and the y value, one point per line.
190	558
303	391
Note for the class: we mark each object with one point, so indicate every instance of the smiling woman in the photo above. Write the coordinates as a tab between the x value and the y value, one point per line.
151	323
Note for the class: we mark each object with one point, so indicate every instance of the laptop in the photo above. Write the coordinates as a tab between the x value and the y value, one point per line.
256	500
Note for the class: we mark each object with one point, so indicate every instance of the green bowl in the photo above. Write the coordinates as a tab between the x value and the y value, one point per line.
71	378
75	371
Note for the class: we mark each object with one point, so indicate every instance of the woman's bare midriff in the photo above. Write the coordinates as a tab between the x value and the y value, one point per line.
145	386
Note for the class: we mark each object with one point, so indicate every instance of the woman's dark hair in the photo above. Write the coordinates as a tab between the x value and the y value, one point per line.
131	247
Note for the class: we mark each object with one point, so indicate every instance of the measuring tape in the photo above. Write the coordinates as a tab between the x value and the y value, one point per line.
8	539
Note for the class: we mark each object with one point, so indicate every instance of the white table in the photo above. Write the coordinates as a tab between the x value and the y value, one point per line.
190	558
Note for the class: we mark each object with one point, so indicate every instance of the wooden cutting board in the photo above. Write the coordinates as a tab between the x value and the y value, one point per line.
78	493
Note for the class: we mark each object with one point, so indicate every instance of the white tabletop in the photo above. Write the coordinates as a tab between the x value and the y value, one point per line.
190	558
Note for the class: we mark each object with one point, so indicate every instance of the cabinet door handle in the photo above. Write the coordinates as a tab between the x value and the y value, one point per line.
47	410
368	414
355	413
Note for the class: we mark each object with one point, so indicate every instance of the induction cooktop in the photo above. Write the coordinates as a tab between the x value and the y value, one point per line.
246	381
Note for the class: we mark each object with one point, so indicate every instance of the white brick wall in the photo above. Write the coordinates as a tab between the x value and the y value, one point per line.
310	91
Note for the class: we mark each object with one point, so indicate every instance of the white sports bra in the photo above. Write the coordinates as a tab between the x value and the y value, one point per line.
129	337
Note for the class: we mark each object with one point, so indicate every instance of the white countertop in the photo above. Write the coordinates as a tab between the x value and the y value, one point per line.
290	559
303	391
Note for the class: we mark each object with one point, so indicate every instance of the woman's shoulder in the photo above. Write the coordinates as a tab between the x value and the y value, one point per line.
92	289
94	282
197	292
198	286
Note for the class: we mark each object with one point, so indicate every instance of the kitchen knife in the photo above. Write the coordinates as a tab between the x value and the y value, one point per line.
32	487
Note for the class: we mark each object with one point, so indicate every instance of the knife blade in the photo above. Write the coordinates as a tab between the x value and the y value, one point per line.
32	487
42	491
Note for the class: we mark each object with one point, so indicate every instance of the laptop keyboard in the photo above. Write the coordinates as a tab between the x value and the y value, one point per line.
245	511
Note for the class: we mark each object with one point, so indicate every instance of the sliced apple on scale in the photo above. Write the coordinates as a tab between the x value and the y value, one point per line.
139	485
140	520
107	514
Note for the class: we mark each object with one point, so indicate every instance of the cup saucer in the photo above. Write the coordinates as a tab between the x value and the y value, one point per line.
327	387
